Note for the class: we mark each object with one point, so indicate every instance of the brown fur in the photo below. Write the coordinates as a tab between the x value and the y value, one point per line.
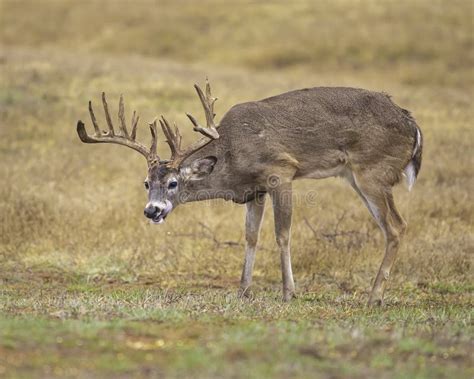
298	132
317	132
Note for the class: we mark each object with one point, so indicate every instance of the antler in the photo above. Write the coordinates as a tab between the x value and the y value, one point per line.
174	138
208	105
123	138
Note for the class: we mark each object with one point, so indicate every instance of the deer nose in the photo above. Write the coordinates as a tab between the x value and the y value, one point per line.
151	211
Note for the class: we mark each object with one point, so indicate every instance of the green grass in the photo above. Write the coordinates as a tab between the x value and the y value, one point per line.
89	289
201	332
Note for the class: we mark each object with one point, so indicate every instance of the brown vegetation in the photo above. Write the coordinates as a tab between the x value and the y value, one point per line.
60	198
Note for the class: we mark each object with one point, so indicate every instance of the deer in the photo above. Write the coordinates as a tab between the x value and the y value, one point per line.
259	148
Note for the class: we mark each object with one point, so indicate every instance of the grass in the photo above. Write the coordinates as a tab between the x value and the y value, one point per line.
136	329
89	289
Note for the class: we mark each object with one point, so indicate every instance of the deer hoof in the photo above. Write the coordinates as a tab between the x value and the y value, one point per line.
375	302
245	293
288	296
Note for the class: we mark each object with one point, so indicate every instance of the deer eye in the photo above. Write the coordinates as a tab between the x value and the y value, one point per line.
147	186
173	184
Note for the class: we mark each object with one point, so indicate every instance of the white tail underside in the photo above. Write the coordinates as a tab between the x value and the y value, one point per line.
409	172
410	175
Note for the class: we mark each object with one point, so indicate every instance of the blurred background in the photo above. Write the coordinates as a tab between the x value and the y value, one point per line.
72	214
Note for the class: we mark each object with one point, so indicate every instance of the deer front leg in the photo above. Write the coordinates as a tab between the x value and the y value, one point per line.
282	210
253	221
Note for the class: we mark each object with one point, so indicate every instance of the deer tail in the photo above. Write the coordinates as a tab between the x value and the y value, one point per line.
413	167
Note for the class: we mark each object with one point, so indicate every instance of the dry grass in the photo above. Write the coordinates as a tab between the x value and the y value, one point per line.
79	263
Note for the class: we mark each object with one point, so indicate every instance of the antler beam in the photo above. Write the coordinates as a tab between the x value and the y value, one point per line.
121	139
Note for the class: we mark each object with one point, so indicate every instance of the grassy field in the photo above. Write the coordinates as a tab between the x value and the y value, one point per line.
89	289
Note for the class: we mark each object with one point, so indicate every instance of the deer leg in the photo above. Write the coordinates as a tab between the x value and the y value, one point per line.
379	200
398	220
282	209
253	221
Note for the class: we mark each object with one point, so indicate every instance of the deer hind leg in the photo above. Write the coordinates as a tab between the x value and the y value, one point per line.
379	200
282	210
398	220
253	221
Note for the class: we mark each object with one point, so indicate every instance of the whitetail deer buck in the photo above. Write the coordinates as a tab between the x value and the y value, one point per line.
260	147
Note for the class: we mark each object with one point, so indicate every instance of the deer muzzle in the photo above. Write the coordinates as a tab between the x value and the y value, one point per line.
157	211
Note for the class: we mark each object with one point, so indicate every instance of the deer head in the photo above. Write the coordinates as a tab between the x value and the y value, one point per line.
166	179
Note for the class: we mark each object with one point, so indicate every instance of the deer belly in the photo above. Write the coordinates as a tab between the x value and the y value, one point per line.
321	173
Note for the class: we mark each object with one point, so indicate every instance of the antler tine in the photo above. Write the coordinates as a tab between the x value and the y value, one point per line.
207	102
121	116
94	121
121	139
178	135
135	119
172	138
107	115
167	136
211	100
154	139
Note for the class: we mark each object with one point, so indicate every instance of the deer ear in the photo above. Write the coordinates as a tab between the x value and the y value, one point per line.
200	168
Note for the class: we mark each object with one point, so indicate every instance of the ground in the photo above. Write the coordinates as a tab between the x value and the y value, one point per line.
89	289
